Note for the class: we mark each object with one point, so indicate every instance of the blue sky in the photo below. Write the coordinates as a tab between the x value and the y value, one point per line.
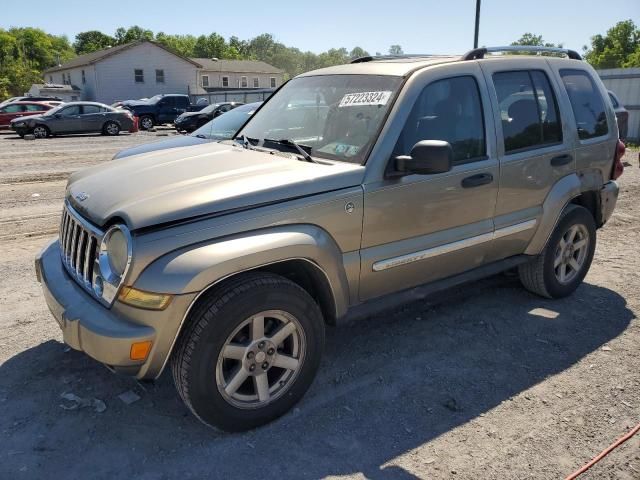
419	26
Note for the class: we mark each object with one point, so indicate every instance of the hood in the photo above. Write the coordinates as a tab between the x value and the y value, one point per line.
175	142
180	183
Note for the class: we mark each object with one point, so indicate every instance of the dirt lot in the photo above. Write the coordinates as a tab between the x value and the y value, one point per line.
492	383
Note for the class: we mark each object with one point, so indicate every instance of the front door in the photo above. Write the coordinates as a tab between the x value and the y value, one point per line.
67	120
419	228
167	110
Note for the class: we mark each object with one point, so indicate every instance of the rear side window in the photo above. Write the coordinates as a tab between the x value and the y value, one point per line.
587	104
88	109
449	110
528	110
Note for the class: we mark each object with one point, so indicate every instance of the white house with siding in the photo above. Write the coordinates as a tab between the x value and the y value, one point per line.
217	74
144	68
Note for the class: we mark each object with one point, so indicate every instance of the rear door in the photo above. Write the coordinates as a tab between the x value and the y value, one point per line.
419	228
535	147
93	118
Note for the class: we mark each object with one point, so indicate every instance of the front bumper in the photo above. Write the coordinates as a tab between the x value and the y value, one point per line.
87	325
608	200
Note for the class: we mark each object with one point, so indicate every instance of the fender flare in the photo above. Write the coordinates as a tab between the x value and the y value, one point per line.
560	195
196	268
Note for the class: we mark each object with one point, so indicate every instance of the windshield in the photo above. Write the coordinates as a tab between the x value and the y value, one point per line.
337	116
210	108
225	126
54	110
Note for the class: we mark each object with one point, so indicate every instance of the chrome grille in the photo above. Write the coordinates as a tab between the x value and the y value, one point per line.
78	247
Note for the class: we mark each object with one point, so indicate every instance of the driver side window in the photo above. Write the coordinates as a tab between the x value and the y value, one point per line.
69	111
449	110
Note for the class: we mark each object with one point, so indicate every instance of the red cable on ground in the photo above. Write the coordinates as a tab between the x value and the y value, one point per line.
605	452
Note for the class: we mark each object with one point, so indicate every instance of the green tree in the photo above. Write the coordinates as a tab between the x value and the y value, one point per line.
132	34
358	52
395	50
210	46
529	39
87	42
619	47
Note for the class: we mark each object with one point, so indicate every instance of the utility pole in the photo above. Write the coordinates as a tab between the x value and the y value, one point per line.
475	38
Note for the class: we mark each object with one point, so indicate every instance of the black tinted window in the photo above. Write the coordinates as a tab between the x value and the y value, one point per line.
448	110
587	103
528	110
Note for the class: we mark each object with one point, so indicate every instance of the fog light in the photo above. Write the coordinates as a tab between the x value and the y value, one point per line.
141	299
140	350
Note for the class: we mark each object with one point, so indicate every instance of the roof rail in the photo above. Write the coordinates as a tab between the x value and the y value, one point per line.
372	58
478	53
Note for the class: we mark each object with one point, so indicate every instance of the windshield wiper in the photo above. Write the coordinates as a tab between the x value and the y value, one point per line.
245	141
297	146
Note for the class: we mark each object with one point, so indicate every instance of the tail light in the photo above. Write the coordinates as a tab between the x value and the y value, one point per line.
618	167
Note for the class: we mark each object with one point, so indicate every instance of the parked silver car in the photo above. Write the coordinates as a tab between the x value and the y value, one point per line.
76	117
352	189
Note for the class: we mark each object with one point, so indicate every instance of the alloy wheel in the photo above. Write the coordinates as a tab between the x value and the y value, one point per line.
40	132
260	359
571	253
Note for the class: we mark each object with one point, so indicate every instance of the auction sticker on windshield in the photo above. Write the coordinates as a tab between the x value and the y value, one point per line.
365	98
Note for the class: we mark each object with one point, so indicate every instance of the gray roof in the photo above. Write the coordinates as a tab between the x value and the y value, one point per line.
236	66
93	57
56	88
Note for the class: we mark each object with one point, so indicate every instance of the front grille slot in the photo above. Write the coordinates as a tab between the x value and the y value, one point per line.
78	248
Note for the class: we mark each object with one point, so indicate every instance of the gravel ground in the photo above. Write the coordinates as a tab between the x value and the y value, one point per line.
487	382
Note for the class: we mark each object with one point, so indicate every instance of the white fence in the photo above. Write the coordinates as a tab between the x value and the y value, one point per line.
625	83
238	95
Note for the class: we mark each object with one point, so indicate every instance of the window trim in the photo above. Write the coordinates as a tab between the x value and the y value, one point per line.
591	139
256	82
161	70
535	91
244	82
225	80
390	167
202	81
135	75
273	82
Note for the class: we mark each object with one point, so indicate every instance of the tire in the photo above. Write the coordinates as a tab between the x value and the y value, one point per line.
146	122
111	128
207	379
41	131
543	275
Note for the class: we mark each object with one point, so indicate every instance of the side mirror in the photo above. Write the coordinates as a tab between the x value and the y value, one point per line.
427	158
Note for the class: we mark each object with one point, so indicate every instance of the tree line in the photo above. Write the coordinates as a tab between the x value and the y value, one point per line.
26	52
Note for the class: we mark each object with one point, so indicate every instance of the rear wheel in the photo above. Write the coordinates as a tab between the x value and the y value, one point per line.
250	352
566	259
146	122
111	128
41	131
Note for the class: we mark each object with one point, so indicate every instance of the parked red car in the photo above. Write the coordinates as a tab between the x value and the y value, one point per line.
21	109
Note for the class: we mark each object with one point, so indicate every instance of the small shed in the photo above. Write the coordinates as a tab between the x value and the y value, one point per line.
66	93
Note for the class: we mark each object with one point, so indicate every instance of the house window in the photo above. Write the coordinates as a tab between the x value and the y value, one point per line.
256	82
273	82
205	81
243	82
139	75
84	79
50	78
225	81
159	76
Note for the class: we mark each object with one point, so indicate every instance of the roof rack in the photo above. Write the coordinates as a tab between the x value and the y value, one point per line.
478	53
372	58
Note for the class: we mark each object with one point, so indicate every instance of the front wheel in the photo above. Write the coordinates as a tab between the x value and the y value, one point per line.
566	259
40	131
250	352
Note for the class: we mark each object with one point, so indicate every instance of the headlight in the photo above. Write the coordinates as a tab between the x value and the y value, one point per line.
19	124
115	253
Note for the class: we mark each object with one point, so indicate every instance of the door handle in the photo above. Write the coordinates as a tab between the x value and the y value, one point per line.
561	160
477	180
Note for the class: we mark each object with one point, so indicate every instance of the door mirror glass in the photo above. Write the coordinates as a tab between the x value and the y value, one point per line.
427	158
